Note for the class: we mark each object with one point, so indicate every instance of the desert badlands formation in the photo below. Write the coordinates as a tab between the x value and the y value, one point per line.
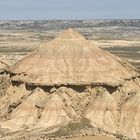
66	88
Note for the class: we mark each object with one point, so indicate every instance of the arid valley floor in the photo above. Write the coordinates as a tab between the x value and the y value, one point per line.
101	109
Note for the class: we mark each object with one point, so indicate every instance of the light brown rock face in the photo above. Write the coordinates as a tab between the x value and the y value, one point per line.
70	59
2	65
54	112
130	118
103	112
26	113
70	79
4	83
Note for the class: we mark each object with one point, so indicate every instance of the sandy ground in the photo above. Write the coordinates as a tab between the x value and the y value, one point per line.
113	43
92	138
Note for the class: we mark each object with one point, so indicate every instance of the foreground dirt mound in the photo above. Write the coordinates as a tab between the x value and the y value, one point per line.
103	112
38	108
69	87
63	105
130	118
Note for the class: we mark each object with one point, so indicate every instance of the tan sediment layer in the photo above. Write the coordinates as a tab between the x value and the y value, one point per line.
93	138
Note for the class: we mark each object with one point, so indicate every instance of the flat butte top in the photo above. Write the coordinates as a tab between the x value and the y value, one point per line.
70	59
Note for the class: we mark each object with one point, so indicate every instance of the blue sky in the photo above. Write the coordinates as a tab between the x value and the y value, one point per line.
69	9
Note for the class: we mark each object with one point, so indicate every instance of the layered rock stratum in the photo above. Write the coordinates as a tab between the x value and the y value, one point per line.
70	87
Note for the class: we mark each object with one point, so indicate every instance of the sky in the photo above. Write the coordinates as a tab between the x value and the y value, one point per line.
69	9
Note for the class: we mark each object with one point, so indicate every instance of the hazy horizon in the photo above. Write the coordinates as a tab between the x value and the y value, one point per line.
68	10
